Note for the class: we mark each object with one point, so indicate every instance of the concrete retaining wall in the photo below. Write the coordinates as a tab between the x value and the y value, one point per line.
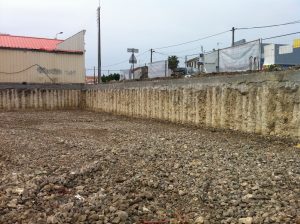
267	104
39	97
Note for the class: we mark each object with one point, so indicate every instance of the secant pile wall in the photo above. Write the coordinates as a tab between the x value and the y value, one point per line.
263	103
39	97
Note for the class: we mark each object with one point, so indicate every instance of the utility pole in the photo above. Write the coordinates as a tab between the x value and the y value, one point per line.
94	75
233	29
186	65
99	45
151	58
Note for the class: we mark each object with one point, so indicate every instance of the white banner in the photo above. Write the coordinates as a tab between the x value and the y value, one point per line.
125	74
158	69
240	58
211	62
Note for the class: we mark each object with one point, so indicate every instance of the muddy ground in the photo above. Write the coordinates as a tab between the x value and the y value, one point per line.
83	167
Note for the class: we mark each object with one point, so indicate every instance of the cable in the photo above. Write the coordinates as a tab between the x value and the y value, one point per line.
122	62
11	73
268	26
217	34
207	37
118	63
44	71
177	52
168	54
192	41
284	35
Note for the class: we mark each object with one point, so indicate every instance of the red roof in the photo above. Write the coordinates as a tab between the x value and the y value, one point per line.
31	43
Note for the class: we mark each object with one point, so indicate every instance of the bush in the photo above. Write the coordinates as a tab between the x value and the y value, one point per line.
110	77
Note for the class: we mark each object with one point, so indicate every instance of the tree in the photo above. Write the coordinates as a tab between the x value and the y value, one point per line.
173	62
110	77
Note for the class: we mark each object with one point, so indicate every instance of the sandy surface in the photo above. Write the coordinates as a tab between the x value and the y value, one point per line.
82	167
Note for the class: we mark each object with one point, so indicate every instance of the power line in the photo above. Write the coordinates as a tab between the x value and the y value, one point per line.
284	35
210	36
112	70
118	63
124	61
164	54
192	41
177	52
268	26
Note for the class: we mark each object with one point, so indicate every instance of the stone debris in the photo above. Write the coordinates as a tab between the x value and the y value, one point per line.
199	220
247	220
82	167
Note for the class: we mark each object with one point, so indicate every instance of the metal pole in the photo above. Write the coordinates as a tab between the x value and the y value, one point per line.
186	65
233	29
218	70
151	55
94	75
99	46
166	67
133	67
260	54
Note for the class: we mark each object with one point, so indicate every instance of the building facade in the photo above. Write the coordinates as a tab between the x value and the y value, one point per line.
42	60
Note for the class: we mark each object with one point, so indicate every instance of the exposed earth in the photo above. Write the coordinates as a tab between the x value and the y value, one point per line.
84	167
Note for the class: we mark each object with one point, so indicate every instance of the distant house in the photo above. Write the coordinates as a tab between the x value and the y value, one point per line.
42	60
141	72
193	63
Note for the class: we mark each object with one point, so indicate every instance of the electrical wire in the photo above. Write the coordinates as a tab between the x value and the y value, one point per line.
207	37
217	34
177	52
44	71
164	54
118	63
268	26
124	61
11	73
192	41
284	35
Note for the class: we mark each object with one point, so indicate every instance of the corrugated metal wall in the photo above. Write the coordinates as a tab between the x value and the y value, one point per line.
56	67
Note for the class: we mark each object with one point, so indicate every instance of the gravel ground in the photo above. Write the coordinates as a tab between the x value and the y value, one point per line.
83	167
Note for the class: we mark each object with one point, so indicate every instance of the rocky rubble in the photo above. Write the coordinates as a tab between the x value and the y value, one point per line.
81	167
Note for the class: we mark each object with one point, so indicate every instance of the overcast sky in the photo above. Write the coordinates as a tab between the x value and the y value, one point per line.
146	24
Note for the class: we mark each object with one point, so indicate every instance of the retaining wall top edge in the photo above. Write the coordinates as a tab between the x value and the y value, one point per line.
262	77
42	86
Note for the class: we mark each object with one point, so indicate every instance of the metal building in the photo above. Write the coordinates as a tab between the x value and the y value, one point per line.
42	60
281	54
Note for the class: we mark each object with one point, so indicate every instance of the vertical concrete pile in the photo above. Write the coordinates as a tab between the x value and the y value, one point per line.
39	97
267	104
263	103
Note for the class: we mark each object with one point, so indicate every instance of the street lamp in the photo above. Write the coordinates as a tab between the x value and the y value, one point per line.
58	34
